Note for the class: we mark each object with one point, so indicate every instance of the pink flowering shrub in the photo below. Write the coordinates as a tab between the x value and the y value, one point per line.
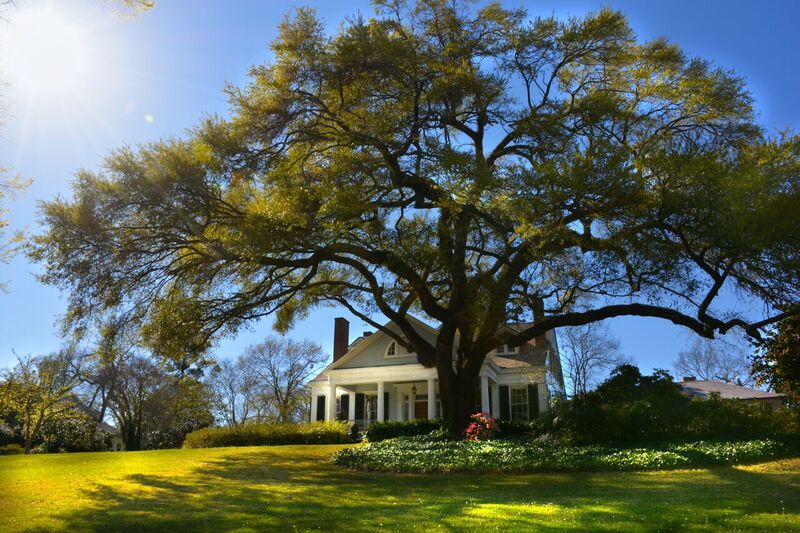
482	427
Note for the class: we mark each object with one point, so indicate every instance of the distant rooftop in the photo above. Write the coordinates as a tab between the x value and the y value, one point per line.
702	389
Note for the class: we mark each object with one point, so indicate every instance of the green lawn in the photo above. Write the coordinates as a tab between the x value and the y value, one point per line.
281	488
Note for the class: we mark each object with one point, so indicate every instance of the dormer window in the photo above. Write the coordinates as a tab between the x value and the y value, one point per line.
505	349
393	349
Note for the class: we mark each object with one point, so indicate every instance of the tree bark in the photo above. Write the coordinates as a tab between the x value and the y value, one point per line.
458	390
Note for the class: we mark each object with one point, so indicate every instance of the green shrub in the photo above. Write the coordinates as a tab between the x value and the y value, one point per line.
74	431
427	454
391	429
631	408
269	435
11	449
512	430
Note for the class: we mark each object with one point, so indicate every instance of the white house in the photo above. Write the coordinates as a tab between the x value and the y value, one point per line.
374	378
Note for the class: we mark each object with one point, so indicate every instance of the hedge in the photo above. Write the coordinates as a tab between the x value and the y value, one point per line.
391	429
11	449
436	453
270	435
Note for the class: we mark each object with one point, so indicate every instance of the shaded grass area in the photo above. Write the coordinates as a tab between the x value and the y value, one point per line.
281	488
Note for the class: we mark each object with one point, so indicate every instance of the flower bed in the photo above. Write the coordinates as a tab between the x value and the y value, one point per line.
435	453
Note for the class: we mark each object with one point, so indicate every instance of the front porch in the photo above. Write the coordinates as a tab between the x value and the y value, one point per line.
363	396
365	403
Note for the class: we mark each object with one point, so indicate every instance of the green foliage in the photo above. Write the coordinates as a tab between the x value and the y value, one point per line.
38	391
777	361
176	409
510	429
630	407
74	431
269	435
11	449
390	429
423	454
472	164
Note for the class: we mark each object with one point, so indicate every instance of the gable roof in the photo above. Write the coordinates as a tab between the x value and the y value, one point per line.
530	356
358	345
706	387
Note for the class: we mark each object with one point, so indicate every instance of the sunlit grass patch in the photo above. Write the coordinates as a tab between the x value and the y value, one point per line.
297	487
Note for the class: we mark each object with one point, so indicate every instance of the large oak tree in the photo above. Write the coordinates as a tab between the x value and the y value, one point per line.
473	165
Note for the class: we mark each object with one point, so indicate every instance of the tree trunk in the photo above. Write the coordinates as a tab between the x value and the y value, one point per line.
458	392
132	441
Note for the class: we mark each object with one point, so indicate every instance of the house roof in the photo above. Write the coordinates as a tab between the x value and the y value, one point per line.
92	413
703	388
531	357
360	343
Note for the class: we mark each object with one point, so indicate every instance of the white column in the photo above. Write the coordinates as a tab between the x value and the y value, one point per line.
314	407
398	401
431	399
330	411
351	409
495	391
381	407
484	394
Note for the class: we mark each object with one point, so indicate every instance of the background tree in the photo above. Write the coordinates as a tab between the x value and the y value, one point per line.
472	165
588	353
282	368
9	244
38	391
138	380
715	360
776	363
236	394
178	407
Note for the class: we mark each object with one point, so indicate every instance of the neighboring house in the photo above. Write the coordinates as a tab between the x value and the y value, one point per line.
374	378
112	433
703	388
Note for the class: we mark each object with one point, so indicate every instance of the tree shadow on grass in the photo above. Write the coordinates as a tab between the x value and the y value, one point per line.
274	490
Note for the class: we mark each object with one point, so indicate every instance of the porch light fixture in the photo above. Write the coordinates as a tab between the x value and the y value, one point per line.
414	390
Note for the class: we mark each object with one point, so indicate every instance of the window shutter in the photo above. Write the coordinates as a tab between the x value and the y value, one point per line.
386	406
345	403
533	401
320	408
359	406
505	403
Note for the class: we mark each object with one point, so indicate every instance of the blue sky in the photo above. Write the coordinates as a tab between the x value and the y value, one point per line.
155	76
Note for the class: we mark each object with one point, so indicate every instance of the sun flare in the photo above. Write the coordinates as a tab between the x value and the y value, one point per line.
45	53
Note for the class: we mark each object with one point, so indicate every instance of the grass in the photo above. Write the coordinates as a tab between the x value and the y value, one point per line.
285	487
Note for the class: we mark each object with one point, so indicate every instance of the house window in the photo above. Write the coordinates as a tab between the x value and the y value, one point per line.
338	408
393	350
370	407
519	404
506	349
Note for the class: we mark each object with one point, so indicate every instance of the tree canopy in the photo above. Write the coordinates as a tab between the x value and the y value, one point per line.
776	362
477	166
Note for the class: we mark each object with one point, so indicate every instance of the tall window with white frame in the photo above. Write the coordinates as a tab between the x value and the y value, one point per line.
371	407
519	404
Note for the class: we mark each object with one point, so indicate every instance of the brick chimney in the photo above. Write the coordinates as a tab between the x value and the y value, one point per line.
689	378
341	337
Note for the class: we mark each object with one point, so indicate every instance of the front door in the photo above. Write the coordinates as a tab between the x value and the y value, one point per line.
421	409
